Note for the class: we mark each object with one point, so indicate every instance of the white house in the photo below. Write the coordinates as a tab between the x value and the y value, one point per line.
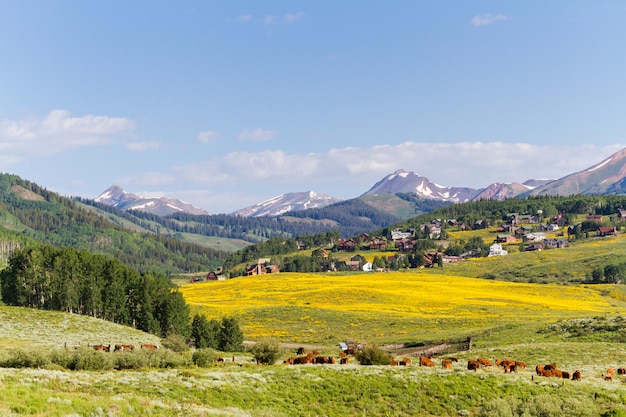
496	250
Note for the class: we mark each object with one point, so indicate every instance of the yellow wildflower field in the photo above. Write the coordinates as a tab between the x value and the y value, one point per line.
318	308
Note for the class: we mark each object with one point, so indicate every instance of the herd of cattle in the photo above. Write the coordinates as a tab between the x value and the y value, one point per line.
314	357
123	347
508	365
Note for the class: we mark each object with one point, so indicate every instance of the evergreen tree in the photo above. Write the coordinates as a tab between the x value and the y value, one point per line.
205	333
230	337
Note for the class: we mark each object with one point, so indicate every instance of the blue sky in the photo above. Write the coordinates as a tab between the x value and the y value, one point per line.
226	104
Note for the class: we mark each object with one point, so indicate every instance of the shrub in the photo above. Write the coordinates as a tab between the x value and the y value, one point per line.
373	355
130	360
266	351
204	357
25	359
176	343
83	360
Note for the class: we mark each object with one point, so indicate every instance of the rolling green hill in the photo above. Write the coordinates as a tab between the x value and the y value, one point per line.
30	213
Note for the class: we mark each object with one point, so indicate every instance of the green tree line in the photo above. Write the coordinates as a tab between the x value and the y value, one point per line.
77	281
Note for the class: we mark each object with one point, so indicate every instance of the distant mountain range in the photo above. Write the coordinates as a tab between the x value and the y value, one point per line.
161	206
606	177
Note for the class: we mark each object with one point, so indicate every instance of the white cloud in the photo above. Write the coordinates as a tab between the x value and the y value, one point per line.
285	19
208	136
293	17
59	131
487	19
256	135
143	146
245	18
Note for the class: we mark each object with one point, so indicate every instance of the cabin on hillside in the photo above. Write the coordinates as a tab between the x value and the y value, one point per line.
263	266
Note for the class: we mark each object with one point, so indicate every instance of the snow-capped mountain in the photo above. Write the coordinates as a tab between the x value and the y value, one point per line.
402	181
501	191
161	206
605	177
287	202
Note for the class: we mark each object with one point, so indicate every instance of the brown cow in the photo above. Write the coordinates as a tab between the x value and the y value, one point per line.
426	361
565	375
446	364
102	348
121	347
484	362
550	367
320	360
300	351
300	360
405	362
521	364
149	346
344	361
621	371
330	360
510	368
576	376
473	365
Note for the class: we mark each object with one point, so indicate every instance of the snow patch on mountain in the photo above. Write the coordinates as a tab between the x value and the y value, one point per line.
285	203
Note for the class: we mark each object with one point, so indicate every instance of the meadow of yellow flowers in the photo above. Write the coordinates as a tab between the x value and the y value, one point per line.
388	307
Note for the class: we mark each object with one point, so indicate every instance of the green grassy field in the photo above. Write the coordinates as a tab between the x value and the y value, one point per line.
555	319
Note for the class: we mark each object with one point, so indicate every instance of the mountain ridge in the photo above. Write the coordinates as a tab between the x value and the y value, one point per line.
608	176
161	206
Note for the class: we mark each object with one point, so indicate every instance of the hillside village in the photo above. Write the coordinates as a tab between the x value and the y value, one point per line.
438	242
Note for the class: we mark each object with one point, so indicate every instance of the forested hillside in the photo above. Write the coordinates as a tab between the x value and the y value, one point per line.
30	213
349	217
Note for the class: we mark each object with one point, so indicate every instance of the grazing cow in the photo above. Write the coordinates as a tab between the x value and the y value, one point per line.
610	371
394	362
320	359
121	347
315	352
149	346
521	364
446	364
344	361
565	375
300	351
301	360
550	367
405	362
342	354
289	361
608	377
330	360
472	365
504	363
539	369
621	371
510	368
557	373
102	348
426	361
453	359
576	376
484	362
